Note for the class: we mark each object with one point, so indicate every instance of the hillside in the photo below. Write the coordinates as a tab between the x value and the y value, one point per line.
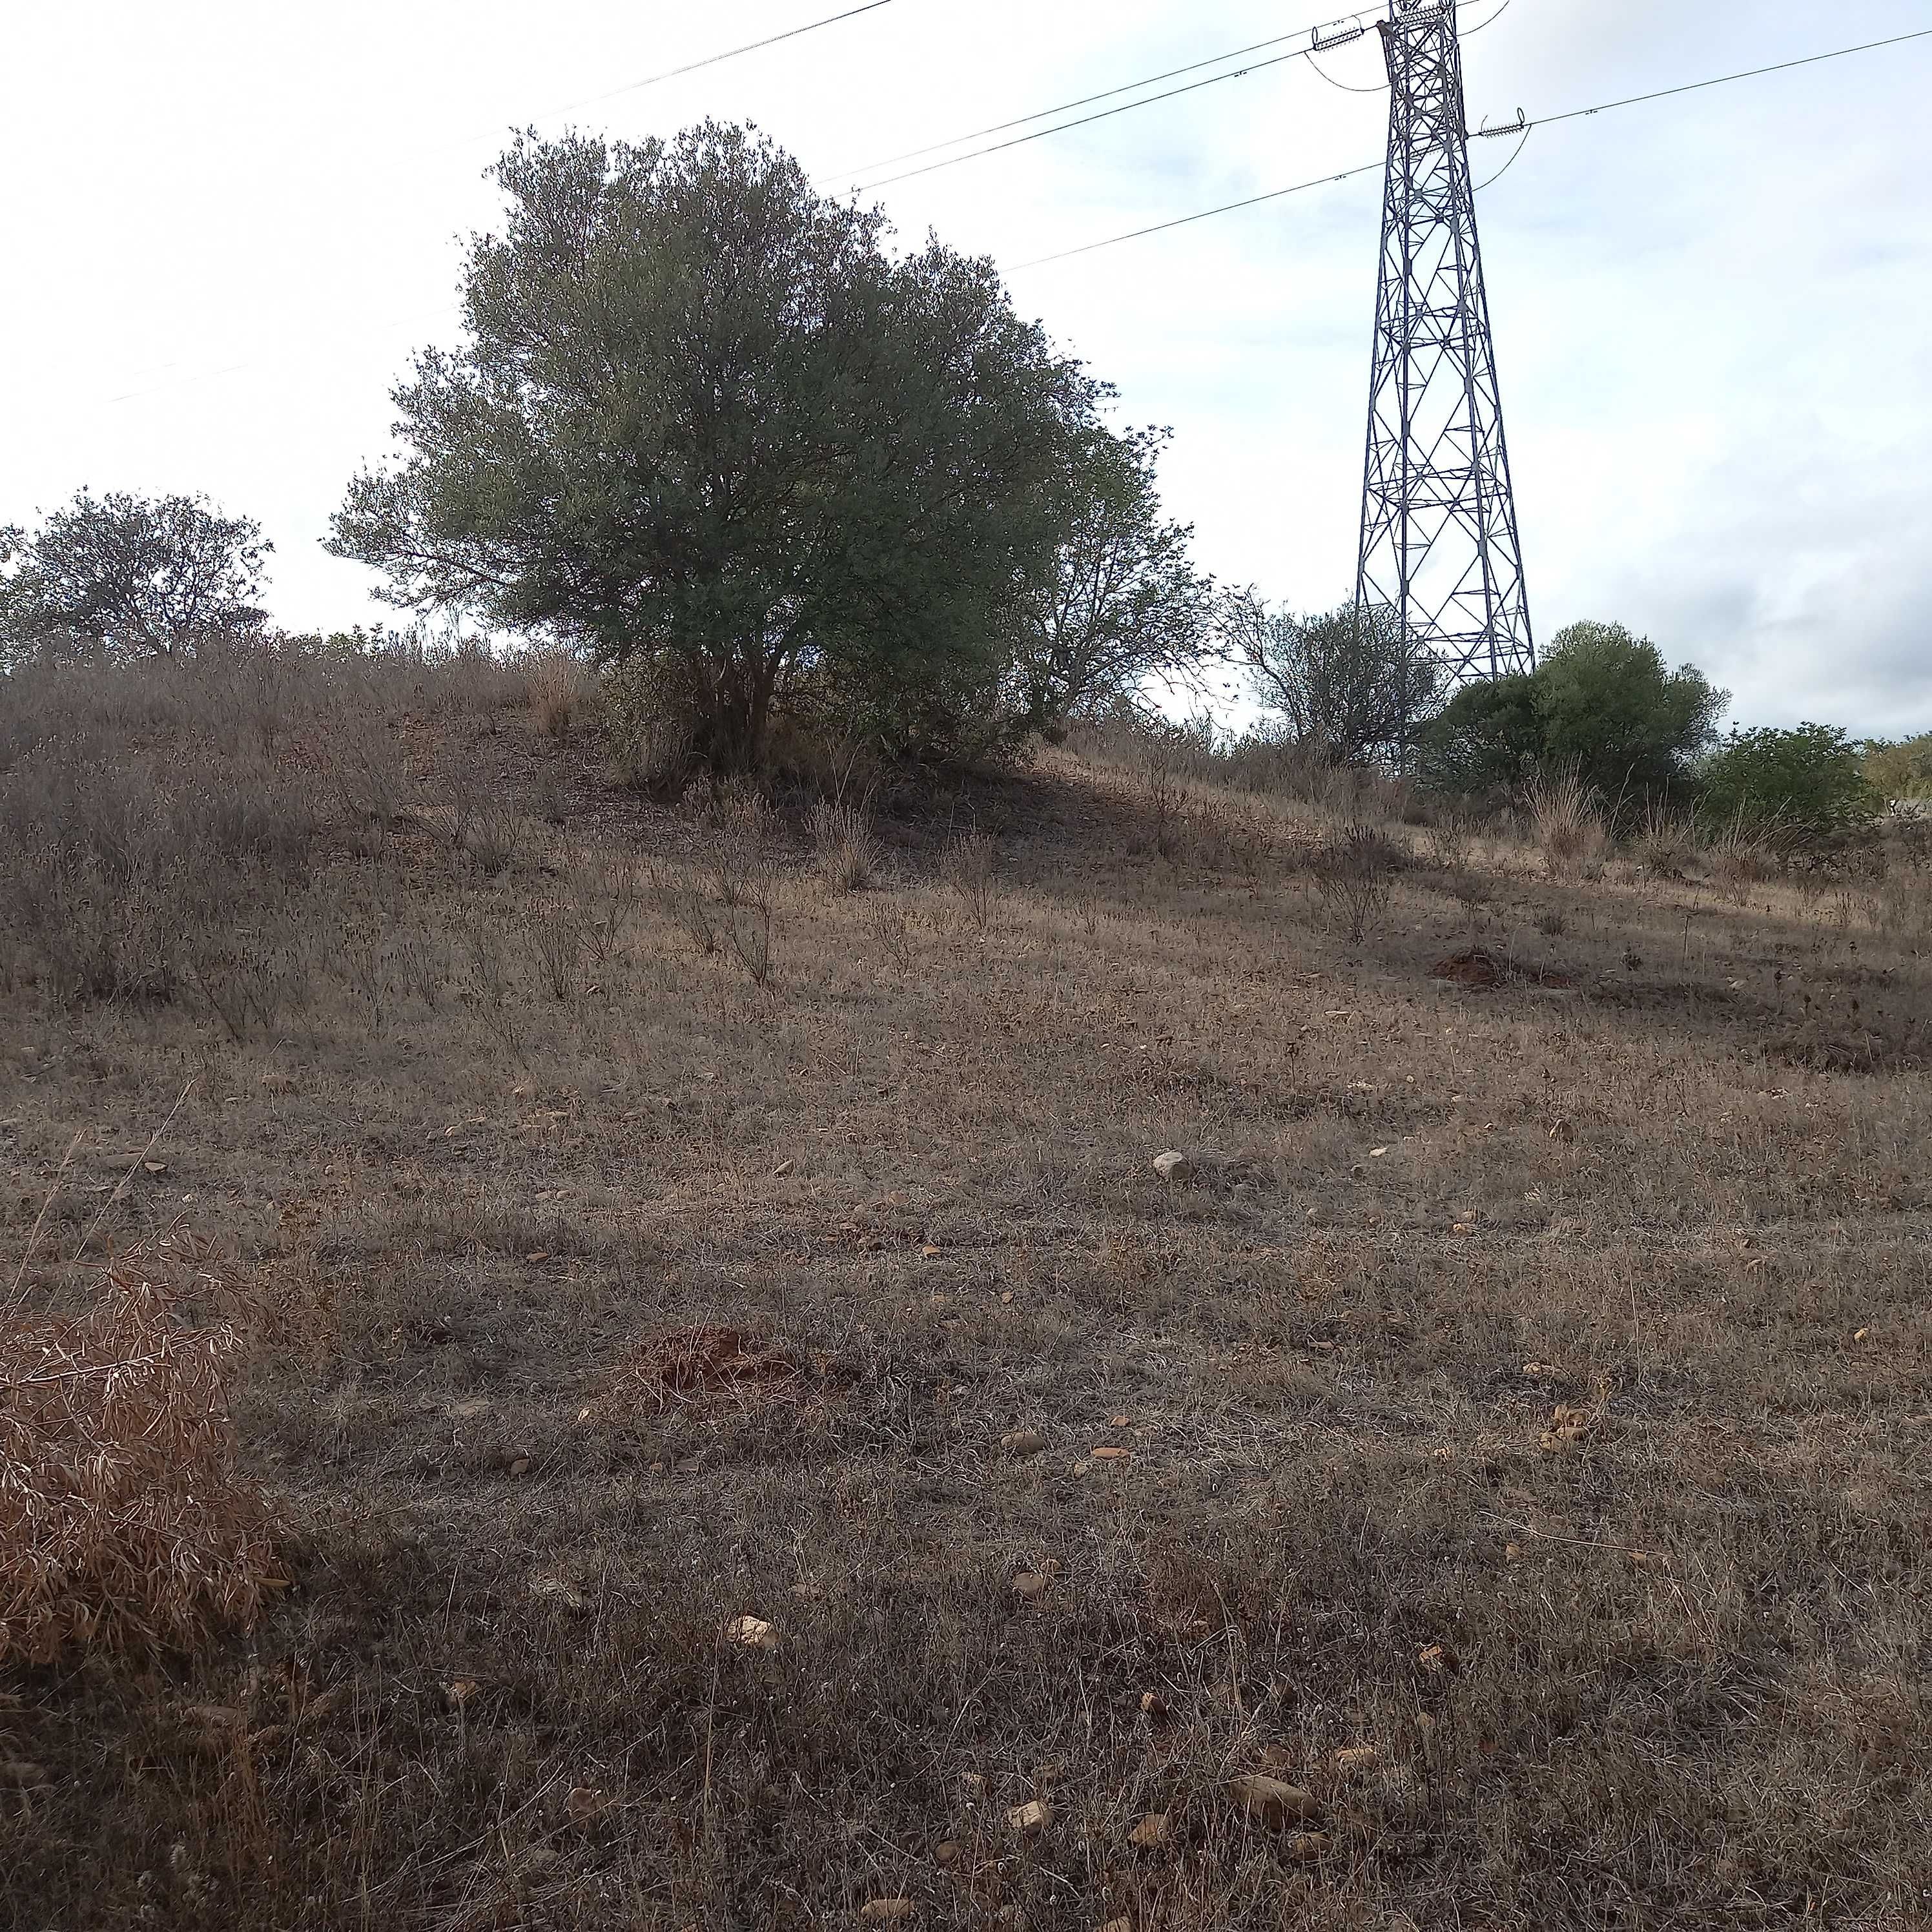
1508	1429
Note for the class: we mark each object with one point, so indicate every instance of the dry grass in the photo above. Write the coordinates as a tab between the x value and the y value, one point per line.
560	683
848	856
1526	1384
124	1528
1568	819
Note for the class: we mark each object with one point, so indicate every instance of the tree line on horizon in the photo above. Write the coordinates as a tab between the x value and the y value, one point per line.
707	428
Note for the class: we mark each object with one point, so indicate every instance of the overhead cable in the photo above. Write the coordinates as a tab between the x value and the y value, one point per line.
1226	207
1085	120
713	60
1085	100
1544	121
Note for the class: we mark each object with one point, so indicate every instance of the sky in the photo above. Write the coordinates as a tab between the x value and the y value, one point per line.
229	225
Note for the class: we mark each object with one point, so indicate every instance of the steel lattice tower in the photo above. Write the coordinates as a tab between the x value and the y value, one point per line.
1438	522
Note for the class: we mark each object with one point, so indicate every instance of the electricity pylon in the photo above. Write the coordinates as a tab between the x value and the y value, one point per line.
1439	540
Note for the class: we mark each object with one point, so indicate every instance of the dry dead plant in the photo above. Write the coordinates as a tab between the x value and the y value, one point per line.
1666	840
893	925
496	829
1353	873
1743	853
557	683
554	934
124	1525
847	853
968	869
1569	823
735	838
604	889
681	899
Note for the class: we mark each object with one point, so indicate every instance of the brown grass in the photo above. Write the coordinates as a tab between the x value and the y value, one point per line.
1524	1383
124	1528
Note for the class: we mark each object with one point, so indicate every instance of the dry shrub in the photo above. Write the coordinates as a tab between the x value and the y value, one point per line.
968	867
1666	841
119	873
848	856
1743	853
496	832
737	841
894	927
1449	839
555	933
681	900
1353	872
1569	829
557	684
124	1526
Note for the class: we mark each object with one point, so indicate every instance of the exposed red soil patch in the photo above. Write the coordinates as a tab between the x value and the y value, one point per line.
1481	967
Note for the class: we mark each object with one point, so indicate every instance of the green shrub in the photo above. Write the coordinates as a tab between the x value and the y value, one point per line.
1806	782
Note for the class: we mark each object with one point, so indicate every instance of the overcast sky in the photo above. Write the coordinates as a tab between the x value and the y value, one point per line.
227	226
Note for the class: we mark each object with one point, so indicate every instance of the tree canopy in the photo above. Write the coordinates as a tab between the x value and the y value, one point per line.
134	576
1601	702
702	416
1349	684
1613	710
1121	602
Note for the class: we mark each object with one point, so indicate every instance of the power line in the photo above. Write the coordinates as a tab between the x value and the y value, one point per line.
713	60
1723	80
1088	100
1546	120
1250	201
1085	120
1151	80
1382	88
1182	220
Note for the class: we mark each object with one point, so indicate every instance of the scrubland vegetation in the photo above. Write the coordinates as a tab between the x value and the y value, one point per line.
786	1261
577	1358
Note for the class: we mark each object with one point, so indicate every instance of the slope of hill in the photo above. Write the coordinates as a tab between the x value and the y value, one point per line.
1507	1428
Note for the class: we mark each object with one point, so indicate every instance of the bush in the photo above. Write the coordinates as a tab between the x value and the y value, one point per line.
121	875
847	854
649	725
1570	827
1901	771
558	685
1486	742
1353	873
1807	783
1351	685
124	1527
1601	703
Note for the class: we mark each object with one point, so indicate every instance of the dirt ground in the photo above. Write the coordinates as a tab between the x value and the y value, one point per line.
1509	1429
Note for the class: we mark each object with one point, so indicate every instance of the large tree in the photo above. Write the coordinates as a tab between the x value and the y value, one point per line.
1613	710
137	576
1601	702
1350	684
703	415
1121	603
